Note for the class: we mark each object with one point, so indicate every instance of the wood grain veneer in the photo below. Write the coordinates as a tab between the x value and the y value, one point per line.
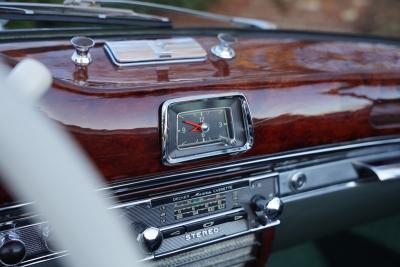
301	94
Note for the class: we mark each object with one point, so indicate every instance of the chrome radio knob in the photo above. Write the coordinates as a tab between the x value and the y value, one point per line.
12	249
151	239
267	210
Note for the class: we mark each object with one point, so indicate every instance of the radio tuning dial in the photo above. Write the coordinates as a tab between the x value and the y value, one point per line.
267	210
12	249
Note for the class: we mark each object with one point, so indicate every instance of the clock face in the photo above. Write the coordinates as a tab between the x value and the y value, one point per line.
203	127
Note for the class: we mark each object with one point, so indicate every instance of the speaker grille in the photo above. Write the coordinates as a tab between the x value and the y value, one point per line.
233	252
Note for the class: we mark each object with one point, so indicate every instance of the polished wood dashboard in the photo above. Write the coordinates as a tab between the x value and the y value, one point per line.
301	93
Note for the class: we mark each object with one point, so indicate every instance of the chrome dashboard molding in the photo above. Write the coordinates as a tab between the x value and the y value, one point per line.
238	165
363	144
320	191
15	206
247	120
43	259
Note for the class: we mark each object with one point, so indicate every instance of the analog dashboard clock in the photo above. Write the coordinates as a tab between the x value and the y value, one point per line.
205	126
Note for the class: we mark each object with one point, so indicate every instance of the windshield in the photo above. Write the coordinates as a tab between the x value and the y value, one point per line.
378	17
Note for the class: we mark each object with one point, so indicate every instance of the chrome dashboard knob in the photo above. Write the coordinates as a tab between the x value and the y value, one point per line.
12	249
151	239
224	49
82	45
267	210
274	208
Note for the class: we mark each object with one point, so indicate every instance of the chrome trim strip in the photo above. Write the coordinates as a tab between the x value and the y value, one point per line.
42	259
28	225
320	191
128	204
363	144
15	206
10	221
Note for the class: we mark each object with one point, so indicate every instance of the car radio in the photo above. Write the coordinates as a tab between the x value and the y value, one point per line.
183	220
173	223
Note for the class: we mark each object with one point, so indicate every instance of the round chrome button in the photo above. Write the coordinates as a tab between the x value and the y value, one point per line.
298	181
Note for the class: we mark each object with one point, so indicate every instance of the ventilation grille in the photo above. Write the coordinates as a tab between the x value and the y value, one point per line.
234	252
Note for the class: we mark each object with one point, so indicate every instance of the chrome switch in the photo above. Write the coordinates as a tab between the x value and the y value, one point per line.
82	45
224	49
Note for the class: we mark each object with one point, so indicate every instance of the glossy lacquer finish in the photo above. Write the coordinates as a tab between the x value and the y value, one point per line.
301	94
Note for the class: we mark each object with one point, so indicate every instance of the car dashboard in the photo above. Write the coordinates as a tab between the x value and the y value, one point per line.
216	149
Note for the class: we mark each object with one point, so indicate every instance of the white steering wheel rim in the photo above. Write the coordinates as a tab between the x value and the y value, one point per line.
39	162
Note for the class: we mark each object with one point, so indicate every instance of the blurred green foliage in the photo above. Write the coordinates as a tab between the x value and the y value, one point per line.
194	4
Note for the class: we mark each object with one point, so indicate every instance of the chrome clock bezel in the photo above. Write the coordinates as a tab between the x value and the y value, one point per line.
247	120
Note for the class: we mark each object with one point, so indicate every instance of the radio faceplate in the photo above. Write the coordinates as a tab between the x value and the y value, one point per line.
204	215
